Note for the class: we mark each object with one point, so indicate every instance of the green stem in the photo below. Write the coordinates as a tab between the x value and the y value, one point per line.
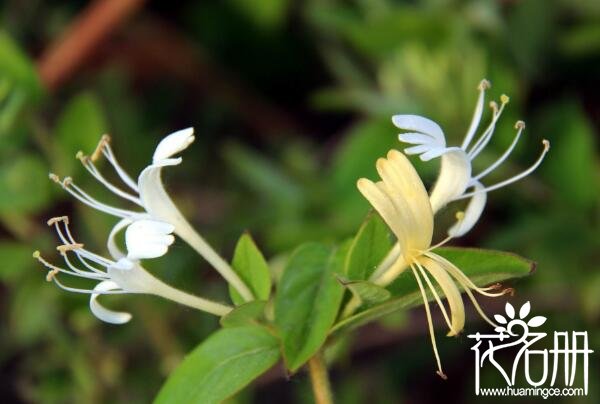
320	380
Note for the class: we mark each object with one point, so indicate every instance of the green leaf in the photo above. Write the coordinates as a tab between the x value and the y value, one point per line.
307	301
366	291
24	184
79	127
220	366
483	267
16	66
19	258
249	263
245	314
369	247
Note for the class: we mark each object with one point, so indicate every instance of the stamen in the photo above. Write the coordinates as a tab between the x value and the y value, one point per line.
483	85
85	198
515	178
91	168
54	178
440	372
435	295
51	274
108	153
57	219
68	247
87	291
104	140
483	141
520	126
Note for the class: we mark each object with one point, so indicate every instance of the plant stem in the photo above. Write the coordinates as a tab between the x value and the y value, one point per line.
320	379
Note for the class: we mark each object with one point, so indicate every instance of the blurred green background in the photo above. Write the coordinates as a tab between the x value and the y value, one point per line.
291	101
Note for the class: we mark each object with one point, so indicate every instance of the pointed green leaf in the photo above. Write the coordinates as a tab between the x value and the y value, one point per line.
24	184
308	299
249	263
483	267
365	291
220	366
245	314
369	247
17	68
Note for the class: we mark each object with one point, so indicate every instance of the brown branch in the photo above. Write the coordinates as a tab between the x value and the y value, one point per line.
98	21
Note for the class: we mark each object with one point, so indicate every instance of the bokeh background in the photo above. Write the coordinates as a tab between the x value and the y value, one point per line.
291	101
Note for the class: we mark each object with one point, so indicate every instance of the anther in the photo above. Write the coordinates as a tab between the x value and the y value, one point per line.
68	247
104	140
504	99
36	254
460	215
442	375
80	156
54	177
51	275
57	219
67	181
484	85
520	125
494	106
546	144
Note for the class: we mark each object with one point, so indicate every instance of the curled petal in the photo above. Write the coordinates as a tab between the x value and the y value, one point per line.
455	173
113	249
471	215
421	125
173	144
148	239
104	314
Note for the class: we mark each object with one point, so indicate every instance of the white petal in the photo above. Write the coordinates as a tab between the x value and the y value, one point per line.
113	249
422	125
109	316
472	213
416	138
455	173
148	239
173	144
154	197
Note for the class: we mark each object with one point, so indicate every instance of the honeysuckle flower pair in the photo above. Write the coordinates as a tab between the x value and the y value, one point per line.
122	274
404	204
456	171
149	194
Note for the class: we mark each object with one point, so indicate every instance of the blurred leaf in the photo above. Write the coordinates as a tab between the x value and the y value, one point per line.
245	314
368	249
268	14
483	267
80	127
581	40
249	263
307	301
33	310
17	259
571	166
220	366
366	291
263	177
25	185
17	68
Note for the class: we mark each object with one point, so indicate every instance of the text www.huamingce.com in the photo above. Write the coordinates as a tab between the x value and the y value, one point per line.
532	392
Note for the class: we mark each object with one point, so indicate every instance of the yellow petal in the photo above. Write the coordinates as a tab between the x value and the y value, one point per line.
407	192
457	309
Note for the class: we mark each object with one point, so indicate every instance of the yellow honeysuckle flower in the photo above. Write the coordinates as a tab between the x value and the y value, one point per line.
402	201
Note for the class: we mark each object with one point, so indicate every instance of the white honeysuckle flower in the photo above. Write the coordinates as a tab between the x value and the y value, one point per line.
118	276
456	172
401	200
149	194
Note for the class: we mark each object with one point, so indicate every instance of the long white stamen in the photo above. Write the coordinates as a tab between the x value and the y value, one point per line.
94	273
108	153
483	141
87	291
93	170
435	294
516	178
520	125
440	372
483	85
